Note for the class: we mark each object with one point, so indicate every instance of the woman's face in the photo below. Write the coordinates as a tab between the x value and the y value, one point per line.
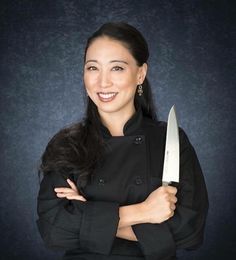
111	76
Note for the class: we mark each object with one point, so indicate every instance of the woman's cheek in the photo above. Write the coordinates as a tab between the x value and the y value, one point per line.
90	82
119	81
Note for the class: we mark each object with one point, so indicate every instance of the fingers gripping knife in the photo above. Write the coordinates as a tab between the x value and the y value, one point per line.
171	159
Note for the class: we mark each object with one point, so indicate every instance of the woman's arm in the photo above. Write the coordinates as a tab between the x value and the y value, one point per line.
67	224
158	207
126	233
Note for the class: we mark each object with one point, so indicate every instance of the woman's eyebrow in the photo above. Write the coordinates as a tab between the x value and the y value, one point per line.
122	61
91	61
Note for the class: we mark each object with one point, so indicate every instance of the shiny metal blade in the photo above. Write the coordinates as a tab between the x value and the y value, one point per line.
171	159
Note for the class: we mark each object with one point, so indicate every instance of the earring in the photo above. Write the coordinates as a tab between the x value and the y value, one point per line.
140	90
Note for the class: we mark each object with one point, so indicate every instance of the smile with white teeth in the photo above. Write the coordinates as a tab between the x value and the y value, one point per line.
107	96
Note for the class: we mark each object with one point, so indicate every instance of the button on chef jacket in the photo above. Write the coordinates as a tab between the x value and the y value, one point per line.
131	170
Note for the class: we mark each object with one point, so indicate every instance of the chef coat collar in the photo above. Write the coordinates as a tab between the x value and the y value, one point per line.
130	127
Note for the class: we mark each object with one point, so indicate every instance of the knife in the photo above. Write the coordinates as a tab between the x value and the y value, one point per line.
171	159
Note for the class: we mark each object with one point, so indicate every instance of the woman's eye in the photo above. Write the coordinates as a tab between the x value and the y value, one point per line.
91	68
117	68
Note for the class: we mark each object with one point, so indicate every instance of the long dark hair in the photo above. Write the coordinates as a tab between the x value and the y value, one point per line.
78	149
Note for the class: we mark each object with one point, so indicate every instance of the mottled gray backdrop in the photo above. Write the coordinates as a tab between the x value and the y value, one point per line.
41	59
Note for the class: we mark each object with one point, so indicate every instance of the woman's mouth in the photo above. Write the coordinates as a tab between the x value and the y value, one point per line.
107	96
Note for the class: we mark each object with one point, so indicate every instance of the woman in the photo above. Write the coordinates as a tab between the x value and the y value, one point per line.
101	195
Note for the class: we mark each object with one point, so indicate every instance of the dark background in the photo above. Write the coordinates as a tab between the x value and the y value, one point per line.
191	66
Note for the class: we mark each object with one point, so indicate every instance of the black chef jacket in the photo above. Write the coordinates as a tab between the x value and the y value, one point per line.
132	169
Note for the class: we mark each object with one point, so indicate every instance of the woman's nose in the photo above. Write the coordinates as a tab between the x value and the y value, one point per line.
105	80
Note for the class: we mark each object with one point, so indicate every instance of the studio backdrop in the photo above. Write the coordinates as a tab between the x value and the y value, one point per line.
41	91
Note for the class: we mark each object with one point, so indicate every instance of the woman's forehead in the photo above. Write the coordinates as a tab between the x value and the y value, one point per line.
106	48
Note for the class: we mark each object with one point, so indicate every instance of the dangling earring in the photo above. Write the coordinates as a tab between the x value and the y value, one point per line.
140	90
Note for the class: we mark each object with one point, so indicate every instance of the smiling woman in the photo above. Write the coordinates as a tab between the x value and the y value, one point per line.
111	76
101	195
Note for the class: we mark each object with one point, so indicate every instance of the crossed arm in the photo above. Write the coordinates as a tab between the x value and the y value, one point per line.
157	208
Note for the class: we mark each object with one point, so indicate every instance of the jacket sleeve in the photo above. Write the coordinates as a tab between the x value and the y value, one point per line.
185	229
68	224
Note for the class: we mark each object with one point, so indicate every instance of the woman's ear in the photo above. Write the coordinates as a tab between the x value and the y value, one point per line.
142	73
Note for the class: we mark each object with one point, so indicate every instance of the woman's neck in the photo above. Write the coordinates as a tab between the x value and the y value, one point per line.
115	121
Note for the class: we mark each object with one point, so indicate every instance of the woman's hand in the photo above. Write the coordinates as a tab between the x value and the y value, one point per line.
69	193
158	207
160	204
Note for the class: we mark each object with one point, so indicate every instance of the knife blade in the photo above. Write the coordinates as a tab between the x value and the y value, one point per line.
171	158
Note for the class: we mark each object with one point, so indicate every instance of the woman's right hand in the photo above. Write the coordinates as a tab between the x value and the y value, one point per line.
160	204
71	193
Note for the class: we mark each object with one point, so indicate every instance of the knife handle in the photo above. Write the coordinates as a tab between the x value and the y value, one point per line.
166	183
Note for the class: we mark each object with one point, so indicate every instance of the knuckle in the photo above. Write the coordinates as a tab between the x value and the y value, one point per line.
168	204
165	196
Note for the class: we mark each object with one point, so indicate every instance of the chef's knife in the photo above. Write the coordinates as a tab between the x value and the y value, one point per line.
171	159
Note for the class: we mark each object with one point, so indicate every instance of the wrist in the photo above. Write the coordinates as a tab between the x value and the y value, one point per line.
132	215
142	208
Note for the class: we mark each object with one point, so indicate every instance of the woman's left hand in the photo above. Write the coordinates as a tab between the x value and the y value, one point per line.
69	193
